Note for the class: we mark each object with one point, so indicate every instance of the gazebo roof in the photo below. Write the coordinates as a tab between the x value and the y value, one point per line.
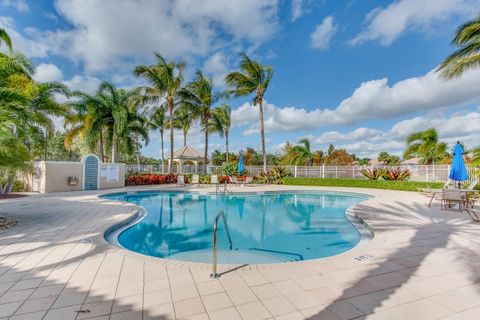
187	153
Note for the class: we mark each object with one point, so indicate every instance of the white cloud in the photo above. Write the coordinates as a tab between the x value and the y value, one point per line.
107	33
19	5
367	142
298	9
355	135
25	44
322	36
216	66
373	99
386	25
45	72
85	83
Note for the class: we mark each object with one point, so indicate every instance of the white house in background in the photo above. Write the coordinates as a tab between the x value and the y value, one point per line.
411	162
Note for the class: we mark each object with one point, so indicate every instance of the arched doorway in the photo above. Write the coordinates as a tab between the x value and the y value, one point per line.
91	172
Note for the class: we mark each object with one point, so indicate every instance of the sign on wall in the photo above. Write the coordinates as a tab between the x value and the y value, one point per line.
113	173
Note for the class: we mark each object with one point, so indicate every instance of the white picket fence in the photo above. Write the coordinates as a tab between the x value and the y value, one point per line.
430	173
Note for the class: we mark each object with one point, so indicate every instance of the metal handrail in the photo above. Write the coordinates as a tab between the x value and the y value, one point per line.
214	256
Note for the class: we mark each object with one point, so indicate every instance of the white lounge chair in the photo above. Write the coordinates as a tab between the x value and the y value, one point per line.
452	196
181	180
213	179
434	193
475	215
234	180
196	179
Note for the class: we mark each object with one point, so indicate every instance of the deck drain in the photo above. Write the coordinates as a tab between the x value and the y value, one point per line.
363	257
86	240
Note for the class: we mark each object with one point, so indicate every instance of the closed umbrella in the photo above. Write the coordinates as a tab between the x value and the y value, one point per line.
458	172
241	166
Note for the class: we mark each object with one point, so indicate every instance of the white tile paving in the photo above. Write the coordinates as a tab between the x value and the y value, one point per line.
423	263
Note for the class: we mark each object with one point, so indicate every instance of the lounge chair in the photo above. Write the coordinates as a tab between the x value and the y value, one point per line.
452	196
475	215
196	179
234	180
213	179
471	195
181	180
434	193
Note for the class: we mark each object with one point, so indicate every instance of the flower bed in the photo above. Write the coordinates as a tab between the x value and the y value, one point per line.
141	179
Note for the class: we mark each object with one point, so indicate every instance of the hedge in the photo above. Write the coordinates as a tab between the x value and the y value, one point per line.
371	184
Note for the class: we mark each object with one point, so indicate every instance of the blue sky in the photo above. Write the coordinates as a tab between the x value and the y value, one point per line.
358	74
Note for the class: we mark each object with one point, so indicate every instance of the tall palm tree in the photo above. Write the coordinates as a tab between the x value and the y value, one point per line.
221	122
467	39
300	154
426	146
5	38
183	120
199	96
165	80
253	78
159	121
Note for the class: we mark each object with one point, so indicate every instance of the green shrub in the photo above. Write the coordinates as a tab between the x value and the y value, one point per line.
18	185
278	173
373	174
229	169
396	174
372	184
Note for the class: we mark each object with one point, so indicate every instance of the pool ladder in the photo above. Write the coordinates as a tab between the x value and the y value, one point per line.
214	255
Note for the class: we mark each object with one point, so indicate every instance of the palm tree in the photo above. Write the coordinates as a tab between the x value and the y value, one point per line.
300	154
476	156
198	96
166	80
87	119
4	37
467	39
111	115
426	146
159	121
253	78
183	120
221	122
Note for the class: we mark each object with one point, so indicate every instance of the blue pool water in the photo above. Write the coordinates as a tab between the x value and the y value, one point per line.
265	228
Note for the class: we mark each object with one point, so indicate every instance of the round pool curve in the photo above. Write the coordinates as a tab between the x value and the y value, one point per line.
266	227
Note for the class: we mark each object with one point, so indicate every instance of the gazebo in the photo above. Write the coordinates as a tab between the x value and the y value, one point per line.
186	156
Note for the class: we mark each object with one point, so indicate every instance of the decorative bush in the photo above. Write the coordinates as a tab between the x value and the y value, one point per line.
262	178
373	174
278	173
396	174
150	178
229	169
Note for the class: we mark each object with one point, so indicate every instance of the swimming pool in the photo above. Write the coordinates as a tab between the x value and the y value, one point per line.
265	227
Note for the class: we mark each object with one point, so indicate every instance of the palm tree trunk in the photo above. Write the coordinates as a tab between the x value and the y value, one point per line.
114	148
262	133
184	138
170	109
226	144
102	155
163	152
205	161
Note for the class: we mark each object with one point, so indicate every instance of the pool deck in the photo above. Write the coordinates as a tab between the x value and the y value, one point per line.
422	264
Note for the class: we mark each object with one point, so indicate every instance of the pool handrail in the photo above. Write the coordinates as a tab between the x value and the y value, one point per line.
214	255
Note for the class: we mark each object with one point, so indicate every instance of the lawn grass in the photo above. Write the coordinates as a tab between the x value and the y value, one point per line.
372	184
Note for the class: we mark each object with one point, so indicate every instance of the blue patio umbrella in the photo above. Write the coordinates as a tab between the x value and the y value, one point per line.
458	172
240	167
